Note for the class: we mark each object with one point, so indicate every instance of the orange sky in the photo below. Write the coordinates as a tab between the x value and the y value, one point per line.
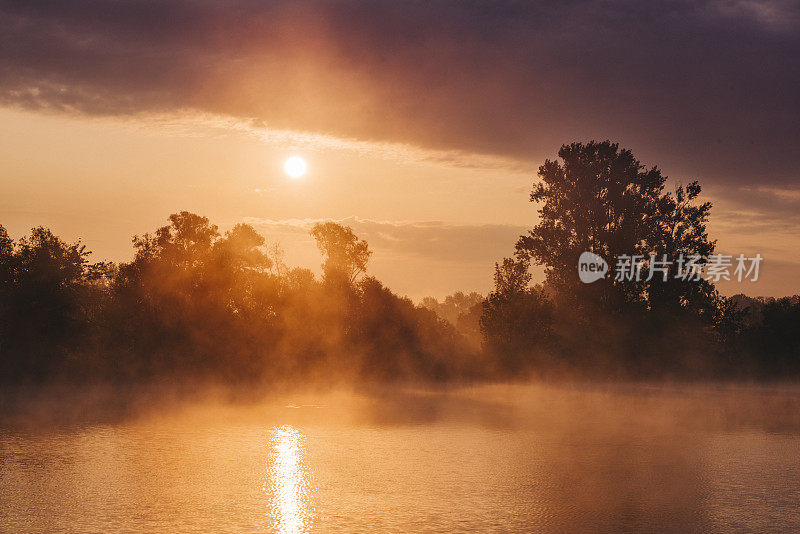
423	123
437	221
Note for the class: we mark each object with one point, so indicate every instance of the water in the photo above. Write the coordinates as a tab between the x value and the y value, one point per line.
494	458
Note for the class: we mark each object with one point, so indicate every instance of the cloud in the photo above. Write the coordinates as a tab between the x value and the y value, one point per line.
415	258
757	219
706	88
430	240
422	258
194	124
774	15
759	210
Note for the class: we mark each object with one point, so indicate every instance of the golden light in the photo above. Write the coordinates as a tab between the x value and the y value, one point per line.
288	484
295	166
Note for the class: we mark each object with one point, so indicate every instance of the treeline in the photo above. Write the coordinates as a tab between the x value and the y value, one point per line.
764	338
598	198
463	311
197	304
759	338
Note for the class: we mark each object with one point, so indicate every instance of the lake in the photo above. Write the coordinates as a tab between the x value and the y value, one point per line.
498	458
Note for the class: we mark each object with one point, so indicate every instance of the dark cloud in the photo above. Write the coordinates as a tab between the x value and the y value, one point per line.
707	88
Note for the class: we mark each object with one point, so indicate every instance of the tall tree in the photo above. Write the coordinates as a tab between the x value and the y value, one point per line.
681	232
345	254
600	198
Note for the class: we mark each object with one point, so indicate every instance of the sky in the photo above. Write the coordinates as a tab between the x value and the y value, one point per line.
423	123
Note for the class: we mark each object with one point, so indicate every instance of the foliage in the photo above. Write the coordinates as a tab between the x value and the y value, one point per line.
516	319
48	294
597	197
344	253
195	303
600	198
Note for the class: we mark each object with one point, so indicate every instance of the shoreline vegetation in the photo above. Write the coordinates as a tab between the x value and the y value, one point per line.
199	305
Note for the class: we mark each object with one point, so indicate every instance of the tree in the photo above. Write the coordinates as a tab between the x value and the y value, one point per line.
772	338
6	255
182	243
240	249
681	232
453	306
399	339
46	302
190	296
600	198
516	319
344	253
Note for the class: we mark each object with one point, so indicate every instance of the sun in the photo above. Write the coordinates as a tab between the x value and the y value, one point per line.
295	166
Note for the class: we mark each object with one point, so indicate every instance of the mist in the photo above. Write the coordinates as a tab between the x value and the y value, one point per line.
617	370
546	457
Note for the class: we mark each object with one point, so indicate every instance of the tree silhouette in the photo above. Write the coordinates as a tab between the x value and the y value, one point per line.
194	303
46	301
453	306
516	319
600	198
344	253
681	231
6	258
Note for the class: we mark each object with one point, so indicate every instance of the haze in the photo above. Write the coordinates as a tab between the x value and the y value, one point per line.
423	125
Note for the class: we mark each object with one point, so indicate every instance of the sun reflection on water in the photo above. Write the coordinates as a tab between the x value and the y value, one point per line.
288	481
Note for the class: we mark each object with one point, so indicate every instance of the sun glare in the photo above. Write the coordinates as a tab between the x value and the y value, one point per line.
288	485
295	166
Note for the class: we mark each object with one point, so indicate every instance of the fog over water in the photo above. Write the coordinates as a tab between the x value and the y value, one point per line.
624	457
